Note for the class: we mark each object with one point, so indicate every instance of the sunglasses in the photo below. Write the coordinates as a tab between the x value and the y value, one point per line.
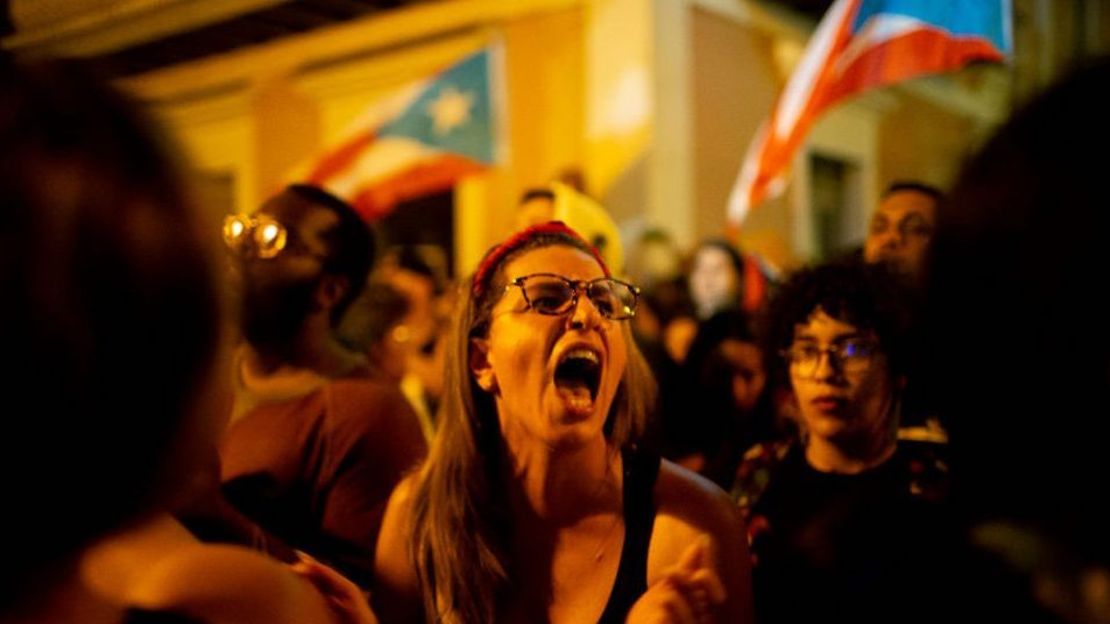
259	235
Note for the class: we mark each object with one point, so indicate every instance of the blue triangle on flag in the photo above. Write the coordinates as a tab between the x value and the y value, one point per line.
984	18
453	113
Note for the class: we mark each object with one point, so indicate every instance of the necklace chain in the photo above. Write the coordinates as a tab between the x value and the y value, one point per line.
606	538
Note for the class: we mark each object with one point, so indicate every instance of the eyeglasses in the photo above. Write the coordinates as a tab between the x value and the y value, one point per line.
551	294
260	235
850	356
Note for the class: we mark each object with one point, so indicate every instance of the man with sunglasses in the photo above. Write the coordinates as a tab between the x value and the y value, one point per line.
313	448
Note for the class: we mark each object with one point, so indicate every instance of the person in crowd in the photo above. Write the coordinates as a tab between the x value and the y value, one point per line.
377	325
314	446
1015	322
536	503
842	518
721	277
900	235
902	227
655	264
721	281
723	406
559	201
114	318
419	272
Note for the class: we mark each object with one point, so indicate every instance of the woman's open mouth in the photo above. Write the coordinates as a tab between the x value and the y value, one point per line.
577	378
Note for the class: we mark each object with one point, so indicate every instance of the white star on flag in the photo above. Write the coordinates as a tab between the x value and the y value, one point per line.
419	139
450	110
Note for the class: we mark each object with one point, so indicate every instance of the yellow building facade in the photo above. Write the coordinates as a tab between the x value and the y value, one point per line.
653	102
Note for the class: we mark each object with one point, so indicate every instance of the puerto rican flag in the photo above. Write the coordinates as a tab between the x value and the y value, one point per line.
418	141
859	45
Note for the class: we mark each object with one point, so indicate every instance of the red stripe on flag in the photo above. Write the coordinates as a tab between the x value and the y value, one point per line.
341	157
921	52
777	152
441	173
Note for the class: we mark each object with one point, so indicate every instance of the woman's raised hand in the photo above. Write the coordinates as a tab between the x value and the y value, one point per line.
686	594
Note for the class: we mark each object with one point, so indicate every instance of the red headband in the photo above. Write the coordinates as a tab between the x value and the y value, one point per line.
516	241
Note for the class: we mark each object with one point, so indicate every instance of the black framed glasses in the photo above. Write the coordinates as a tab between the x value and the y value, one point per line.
551	294
261	236
854	355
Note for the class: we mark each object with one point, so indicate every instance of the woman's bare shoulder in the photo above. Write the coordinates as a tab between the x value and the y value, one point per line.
396	594
686	501
392	554
689	506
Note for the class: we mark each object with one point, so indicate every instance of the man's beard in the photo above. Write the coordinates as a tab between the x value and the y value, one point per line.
273	313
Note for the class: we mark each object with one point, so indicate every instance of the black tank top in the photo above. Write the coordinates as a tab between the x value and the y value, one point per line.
640	472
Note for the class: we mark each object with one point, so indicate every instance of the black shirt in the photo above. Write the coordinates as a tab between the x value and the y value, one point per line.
842	547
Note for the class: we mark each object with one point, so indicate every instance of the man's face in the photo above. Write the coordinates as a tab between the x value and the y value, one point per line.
279	292
901	231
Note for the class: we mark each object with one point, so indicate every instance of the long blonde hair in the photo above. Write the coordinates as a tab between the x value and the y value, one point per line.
460	514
